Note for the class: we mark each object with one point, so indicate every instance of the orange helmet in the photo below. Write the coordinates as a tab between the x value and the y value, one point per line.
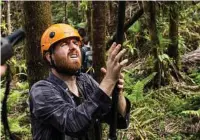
55	33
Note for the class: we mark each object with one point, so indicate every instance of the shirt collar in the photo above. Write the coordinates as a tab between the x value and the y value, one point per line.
57	80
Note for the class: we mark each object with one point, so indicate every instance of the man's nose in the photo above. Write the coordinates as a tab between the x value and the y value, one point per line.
72	46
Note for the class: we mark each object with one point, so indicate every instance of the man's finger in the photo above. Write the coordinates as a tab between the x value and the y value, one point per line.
112	48
120	86
115	51
123	63
121	76
121	81
120	54
103	70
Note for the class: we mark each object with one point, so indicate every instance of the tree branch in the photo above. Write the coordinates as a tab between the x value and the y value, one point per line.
127	25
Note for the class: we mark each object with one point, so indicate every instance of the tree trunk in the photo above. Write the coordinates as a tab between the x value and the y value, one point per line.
127	25
17	14
65	9
89	22
191	59
37	19
98	37
173	34
112	17
155	42
8	18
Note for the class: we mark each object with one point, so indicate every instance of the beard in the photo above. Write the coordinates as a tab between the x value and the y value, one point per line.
66	66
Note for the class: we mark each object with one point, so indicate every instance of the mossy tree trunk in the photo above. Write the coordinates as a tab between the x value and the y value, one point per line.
37	16
98	37
173	32
173	50
155	42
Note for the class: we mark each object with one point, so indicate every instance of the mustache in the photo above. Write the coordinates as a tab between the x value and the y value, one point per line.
65	65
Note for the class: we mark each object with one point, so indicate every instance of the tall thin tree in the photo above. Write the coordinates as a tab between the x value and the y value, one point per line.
37	18
112	17
155	42
65	9
173	50
89	20
8	17
98	37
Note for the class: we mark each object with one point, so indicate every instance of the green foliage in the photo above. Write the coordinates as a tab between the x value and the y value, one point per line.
18	111
159	113
135	28
136	94
163	57
189	26
81	25
164	42
182	44
73	15
83	9
193	102
16	126
75	12
3	26
18	67
192	112
195	75
132	50
58	11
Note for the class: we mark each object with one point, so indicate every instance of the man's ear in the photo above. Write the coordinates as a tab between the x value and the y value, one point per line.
47	56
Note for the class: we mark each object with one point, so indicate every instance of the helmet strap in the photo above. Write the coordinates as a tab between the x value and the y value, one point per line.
52	63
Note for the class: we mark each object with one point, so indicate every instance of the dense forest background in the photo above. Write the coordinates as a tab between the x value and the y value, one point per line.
162	79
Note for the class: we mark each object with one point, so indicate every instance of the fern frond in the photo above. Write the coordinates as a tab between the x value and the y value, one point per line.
192	112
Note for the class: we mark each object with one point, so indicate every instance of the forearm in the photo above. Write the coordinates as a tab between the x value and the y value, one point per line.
107	85
122	104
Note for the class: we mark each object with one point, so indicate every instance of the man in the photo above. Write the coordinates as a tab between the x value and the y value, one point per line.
70	105
86	53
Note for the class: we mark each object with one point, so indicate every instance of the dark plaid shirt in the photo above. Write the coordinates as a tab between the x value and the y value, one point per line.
57	115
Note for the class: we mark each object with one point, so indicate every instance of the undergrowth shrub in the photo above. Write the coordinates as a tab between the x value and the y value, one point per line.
18	111
160	114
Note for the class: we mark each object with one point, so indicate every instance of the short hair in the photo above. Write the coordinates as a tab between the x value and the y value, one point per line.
85	40
82	32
